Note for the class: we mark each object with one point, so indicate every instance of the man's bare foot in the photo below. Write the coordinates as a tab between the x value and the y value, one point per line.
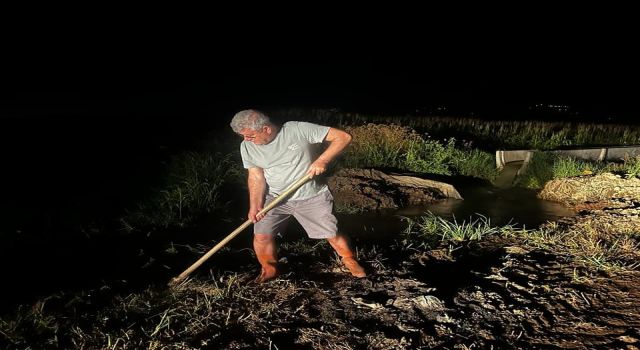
355	268
266	275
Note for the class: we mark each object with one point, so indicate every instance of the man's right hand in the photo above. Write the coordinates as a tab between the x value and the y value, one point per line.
254	216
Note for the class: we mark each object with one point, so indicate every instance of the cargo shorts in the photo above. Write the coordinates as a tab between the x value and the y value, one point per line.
314	215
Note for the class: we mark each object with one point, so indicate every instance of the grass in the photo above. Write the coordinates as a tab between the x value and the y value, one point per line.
343	208
588	245
545	166
209	312
193	187
376	145
201	312
631	167
491	134
590	241
393	146
147	319
430	229
474	163
302	247
222	310
530	134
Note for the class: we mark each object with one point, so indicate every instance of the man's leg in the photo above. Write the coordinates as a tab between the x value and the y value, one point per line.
316	216
265	248
264	239
341	244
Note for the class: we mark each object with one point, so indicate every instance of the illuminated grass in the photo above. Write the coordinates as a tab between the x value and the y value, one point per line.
592	242
393	146
545	166
430	228
490	134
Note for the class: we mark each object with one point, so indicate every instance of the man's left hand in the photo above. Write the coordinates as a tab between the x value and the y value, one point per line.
318	167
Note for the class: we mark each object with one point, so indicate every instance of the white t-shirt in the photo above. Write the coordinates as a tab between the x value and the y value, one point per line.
287	158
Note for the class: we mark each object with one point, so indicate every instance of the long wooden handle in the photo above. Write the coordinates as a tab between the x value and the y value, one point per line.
235	232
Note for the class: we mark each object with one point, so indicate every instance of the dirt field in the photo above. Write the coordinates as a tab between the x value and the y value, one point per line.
572	284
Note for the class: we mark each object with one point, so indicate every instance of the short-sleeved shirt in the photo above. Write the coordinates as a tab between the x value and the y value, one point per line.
287	158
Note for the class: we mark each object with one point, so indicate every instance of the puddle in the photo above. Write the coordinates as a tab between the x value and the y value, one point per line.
516	206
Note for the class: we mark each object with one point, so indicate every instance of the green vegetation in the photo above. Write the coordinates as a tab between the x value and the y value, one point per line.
546	166
490	134
631	167
430	229
347	209
192	188
393	146
223	307
591	242
532	134
144	319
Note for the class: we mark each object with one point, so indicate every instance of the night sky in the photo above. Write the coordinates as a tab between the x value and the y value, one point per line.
498	82
390	61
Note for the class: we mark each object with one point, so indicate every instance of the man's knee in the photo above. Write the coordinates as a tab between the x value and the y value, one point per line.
262	237
339	237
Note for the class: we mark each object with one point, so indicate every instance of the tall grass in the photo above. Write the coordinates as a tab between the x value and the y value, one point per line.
393	146
192	188
474	162
546	166
531	134
377	145
491	134
430	156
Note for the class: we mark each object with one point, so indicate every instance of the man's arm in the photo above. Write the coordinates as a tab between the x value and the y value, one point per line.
338	141
257	187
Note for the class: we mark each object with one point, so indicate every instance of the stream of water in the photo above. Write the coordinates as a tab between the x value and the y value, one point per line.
500	204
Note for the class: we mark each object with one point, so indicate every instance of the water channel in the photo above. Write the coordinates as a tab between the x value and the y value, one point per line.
501	204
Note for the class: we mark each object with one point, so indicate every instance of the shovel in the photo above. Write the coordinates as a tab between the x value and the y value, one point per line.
176	280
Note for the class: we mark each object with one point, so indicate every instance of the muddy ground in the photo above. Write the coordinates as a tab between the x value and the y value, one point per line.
506	291
490	294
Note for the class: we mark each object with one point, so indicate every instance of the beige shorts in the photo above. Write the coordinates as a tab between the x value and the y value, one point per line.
314	214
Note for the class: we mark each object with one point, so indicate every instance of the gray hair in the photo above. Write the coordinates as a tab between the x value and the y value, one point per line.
249	119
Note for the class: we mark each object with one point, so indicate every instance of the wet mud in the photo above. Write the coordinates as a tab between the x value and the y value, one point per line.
494	294
370	189
503	292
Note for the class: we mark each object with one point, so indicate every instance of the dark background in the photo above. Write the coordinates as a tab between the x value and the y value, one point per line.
595	85
89	118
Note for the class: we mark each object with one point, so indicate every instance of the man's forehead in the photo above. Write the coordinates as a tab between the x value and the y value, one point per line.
250	131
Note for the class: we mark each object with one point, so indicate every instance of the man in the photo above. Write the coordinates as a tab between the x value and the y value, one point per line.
275	158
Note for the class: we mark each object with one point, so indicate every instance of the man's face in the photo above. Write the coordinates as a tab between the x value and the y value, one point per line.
258	137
